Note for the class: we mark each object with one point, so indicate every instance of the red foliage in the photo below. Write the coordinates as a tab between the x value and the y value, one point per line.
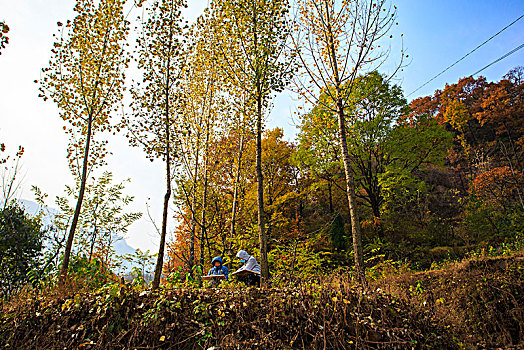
498	186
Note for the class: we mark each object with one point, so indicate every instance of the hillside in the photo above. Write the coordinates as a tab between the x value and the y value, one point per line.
474	304
482	300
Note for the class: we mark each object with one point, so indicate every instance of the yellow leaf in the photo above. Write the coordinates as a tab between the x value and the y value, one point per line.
163	338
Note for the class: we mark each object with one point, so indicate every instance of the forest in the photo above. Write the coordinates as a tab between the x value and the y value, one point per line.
385	224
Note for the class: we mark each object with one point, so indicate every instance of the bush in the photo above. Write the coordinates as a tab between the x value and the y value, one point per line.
21	245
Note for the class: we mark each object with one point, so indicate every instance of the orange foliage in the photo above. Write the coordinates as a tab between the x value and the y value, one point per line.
503	108
423	105
497	186
178	249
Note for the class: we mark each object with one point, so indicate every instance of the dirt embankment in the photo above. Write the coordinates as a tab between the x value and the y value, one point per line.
480	300
474	304
327	316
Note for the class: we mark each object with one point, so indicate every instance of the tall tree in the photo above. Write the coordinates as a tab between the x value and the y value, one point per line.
318	153
335	42
383	143
85	78
377	108
502	108
253	36
280	175
156	101
201	108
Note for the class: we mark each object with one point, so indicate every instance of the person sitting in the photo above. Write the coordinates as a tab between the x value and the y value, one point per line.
252	278
218	269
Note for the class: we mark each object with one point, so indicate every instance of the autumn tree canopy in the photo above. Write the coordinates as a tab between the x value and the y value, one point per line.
85	78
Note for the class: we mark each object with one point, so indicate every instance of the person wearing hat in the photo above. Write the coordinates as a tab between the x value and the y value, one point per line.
250	264
218	268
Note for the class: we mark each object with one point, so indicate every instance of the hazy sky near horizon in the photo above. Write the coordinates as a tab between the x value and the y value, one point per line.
435	34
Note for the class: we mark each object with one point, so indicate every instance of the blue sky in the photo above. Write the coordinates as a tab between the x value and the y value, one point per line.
436	34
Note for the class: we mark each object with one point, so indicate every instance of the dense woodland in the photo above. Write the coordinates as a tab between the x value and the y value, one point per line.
434	179
384	224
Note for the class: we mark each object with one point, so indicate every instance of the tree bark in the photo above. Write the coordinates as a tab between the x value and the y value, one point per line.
350	189
160	258
262	235
235	199
330	198
74	223
191	261
167	196
204	201
260	197
350	182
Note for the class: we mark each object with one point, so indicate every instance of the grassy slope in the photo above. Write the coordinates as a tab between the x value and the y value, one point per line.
481	300
331	316
476	303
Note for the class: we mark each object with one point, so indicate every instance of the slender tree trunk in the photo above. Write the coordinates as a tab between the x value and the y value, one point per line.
191	260
330	198
350	181
262	235
160	259
235	199
203	229
269	213
204	201
167	196
350	189
93	240
260	197
74	223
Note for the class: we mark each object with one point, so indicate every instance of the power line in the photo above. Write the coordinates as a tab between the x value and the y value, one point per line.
500	58
463	57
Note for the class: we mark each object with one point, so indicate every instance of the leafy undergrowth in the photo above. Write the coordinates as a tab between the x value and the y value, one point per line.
327	315
481	300
478	303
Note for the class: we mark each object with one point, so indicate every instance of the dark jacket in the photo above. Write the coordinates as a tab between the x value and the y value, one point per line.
218	270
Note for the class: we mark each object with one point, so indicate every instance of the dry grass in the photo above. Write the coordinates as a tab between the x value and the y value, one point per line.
328	315
480	300
477	303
